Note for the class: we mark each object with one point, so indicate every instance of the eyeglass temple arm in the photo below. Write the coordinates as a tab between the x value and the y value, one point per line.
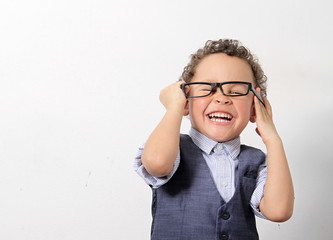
183	89
258	96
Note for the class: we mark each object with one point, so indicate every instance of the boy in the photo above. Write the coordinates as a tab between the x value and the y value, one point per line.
206	185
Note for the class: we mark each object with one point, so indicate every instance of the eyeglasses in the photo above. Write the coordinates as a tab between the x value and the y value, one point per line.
230	89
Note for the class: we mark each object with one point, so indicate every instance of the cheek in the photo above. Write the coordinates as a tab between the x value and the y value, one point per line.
249	111
197	109
197	106
246	108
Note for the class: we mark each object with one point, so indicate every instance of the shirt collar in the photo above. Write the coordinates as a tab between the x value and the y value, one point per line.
231	147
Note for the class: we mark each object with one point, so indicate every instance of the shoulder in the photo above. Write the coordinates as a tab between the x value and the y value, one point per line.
253	153
247	148
185	139
184	136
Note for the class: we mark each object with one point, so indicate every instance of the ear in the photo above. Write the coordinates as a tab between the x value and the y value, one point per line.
186	109
253	114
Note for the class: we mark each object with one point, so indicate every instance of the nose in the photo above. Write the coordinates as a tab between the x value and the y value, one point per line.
219	98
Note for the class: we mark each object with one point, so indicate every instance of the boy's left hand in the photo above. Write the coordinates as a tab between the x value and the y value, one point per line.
278	200
264	120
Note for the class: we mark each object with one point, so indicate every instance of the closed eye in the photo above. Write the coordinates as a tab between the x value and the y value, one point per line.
235	93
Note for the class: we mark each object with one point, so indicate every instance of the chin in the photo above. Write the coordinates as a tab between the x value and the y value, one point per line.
222	139
219	138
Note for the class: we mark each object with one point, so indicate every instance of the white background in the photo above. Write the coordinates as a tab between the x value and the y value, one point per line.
79	87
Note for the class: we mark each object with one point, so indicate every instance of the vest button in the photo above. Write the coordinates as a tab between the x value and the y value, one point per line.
224	237
225	216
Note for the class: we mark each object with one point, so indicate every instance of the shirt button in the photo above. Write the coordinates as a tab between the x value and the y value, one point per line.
218	147
225	216
224	236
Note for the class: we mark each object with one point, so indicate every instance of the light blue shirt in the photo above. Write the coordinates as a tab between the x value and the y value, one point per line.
222	160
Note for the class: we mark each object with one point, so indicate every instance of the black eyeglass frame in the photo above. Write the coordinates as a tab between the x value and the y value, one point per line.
219	85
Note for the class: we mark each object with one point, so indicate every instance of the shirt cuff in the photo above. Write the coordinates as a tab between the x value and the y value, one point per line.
154	182
256	198
259	191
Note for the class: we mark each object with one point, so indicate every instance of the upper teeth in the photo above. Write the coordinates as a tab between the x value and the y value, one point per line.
221	115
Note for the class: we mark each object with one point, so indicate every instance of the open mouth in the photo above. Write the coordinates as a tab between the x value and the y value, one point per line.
220	117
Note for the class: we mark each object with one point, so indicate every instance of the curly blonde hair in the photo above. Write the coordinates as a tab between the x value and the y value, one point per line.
232	48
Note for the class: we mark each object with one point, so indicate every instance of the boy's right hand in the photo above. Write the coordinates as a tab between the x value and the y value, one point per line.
172	97
162	147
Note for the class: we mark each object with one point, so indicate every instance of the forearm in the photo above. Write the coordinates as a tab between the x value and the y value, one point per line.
162	146
278	201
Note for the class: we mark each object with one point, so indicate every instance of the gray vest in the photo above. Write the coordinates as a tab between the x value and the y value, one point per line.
189	206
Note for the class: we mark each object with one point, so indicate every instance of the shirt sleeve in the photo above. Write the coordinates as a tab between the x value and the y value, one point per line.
154	182
259	190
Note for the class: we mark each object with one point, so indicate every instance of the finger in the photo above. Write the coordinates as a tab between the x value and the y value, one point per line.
258	106
180	82
265	109
257	102
268	106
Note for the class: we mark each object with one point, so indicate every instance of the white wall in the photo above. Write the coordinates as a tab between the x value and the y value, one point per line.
79	86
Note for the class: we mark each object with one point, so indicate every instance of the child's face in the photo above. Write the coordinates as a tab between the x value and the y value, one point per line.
208	114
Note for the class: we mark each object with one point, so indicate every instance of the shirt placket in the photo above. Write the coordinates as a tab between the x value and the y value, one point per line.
224	172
